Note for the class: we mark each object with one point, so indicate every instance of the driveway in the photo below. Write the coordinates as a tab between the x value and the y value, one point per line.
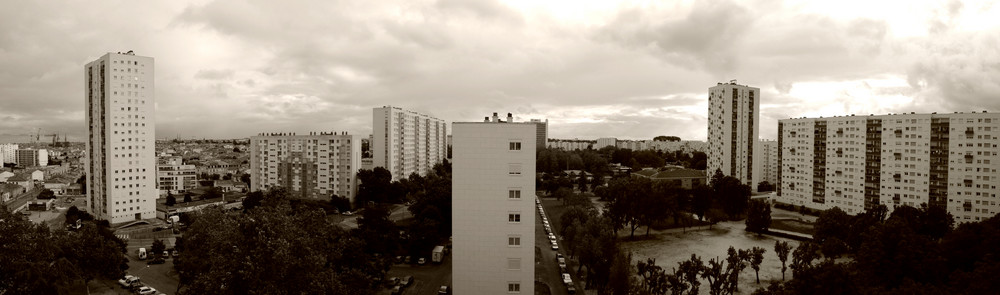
427	279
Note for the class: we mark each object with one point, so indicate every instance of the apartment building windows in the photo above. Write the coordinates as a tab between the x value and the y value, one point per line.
514	194
514	169
514	217
515	145
514	241
514	287
514	263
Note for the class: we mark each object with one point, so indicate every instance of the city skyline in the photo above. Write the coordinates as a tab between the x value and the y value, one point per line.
592	69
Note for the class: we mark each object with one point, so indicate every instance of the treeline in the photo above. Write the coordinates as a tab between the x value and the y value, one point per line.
37	260
552	160
284	247
590	238
429	198
633	202
913	251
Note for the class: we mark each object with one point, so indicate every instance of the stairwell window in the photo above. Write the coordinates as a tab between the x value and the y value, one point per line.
515	145
514	169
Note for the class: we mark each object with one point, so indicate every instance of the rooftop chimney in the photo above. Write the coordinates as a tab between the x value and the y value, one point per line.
495	118
510	118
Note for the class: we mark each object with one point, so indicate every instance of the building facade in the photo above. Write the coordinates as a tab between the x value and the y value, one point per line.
8	153
314	166
768	161
857	162
606	142
542	132
493	213
32	158
406	142
733	112
570	144
121	161
174	177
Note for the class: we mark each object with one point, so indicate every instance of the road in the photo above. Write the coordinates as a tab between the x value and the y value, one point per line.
546	268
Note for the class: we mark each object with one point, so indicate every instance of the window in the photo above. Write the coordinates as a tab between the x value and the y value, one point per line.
513	287
515	145
514	169
514	263
514	241
514	194
514	217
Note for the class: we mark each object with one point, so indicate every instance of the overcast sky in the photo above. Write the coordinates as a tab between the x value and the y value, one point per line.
231	69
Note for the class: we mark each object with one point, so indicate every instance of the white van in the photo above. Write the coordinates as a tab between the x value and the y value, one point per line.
142	254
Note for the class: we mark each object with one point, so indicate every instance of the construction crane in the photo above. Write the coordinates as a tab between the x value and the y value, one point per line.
54	138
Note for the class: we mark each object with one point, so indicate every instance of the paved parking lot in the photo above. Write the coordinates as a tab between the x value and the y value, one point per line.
426	278
547	269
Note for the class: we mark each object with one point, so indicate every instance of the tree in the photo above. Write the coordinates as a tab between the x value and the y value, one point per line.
373	186
307	253
701	200
171	200
562	194
731	194
581	182
252	200
782	249
211	193
46	194
758	216
765	186
756	258
187	197
379	234
688	271
832	223
158	247
803	257
620	275
654	278
666	138
341	203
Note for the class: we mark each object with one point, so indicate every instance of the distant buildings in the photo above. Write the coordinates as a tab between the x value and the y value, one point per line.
858	162
121	163
493	207
32	158
769	161
8	153
174	177
605	142
314	166
571	144
406	142
542	132
733	126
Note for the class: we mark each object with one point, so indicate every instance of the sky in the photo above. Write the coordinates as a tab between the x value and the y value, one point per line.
631	70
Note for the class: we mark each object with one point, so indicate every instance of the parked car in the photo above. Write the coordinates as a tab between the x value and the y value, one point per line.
571	289
567	279
146	291
392	281
421	261
444	290
562	262
128	281
157	260
399	259
555	246
407	281
396	290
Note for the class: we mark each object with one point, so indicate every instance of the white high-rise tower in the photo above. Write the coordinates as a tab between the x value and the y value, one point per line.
733	125
121	161
493	227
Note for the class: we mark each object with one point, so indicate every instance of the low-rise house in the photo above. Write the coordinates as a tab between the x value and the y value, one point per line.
10	191
682	177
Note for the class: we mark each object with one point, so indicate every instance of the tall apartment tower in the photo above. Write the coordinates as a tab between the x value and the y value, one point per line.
313	166
768	161
121	160
542	133
8	153
406	142
859	162
493	215
733	116
32	157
